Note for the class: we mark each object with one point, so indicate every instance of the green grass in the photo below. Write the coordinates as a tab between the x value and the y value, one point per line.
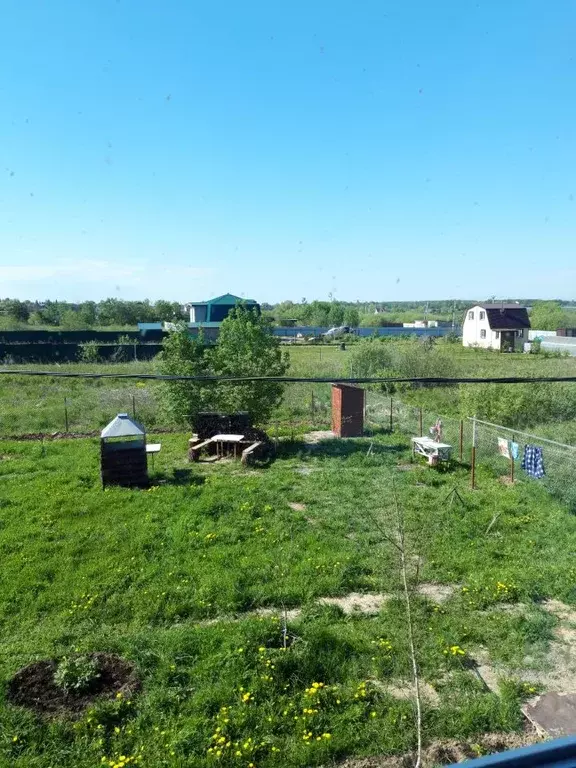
156	576
37	404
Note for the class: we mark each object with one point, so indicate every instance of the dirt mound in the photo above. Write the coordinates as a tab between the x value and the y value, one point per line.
34	687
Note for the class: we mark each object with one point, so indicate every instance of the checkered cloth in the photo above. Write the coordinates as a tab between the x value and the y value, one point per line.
533	461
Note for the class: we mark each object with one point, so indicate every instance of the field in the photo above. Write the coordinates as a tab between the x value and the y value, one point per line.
45	404
193	580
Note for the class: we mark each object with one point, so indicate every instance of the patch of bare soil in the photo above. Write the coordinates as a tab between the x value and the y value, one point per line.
313	438
357	603
438	593
559	671
291	613
296	506
404	690
450	751
34	687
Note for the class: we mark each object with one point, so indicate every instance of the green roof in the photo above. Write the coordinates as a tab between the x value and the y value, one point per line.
228	298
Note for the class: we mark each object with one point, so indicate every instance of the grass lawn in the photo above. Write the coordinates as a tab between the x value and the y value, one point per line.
39	404
172	578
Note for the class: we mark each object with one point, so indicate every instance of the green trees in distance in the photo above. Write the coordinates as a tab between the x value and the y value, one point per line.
16	314
245	347
114	312
551	315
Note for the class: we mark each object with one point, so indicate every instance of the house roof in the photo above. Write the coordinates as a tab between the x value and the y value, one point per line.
226	298
506	317
123	426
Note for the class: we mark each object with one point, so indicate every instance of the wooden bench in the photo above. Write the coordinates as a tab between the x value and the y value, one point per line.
251	453
196	448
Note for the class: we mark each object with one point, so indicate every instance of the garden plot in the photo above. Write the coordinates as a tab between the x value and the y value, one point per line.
155	577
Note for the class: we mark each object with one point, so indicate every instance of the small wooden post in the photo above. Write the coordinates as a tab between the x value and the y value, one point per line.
420	420
473	453
461	439
511	460
391	414
67	426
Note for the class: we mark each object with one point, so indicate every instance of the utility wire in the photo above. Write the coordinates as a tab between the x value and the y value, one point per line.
301	379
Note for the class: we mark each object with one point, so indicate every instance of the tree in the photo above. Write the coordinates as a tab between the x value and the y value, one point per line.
167	311
246	347
184	355
351	317
15	309
547	316
87	314
72	321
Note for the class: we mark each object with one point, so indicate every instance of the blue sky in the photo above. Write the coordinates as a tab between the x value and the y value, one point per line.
368	149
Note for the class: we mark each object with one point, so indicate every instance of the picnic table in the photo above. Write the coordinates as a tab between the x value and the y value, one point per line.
226	440
430	449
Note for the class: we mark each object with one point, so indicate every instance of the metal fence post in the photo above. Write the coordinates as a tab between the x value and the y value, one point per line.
473	452
461	439
313	409
420	420
134	406
66	423
391	414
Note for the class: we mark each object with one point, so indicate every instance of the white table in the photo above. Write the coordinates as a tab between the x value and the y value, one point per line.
432	450
221	440
153	448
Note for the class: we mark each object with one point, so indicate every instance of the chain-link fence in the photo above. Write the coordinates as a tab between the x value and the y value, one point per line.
504	450
500	449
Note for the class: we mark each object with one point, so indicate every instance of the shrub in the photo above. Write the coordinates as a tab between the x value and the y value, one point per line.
76	673
89	352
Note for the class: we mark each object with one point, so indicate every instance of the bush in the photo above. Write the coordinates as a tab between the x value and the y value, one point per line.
89	352
76	673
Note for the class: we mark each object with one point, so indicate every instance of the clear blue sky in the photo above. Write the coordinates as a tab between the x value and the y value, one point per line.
364	148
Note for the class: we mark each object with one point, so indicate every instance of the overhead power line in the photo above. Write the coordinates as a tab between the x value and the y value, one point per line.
301	379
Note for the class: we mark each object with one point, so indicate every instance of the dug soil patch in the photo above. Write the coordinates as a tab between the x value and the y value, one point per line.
34	687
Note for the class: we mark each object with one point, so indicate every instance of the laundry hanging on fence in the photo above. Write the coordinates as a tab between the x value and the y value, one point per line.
514	449
503	447
533	461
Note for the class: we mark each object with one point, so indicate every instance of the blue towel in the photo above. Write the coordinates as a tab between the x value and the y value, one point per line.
514	449
533	461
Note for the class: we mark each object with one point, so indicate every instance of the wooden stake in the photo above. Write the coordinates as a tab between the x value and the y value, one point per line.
473	453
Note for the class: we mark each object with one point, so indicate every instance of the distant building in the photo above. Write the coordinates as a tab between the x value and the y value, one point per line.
421	324
211	313
496	326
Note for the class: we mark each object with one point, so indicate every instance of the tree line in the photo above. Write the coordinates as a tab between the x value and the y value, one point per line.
15	314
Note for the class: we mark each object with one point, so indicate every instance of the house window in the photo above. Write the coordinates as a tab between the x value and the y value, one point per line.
497	334
470	315
483	333
482	315
520	334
